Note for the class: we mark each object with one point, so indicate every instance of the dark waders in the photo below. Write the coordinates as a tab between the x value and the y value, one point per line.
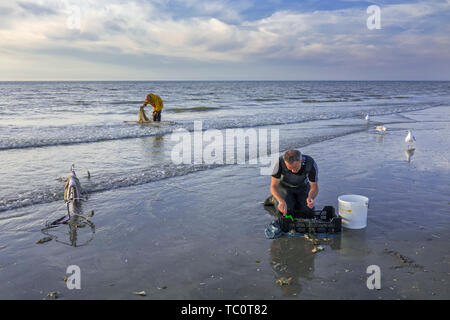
157	115
295	199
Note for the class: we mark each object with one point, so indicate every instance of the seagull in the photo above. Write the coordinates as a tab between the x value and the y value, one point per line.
367	118
380	128
410	138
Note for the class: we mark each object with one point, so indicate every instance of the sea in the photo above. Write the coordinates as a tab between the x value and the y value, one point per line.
45	127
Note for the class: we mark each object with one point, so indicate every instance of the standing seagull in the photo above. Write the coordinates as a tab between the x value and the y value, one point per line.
409	138
367	118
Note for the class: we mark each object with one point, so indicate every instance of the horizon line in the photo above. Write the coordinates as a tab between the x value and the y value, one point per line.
236	80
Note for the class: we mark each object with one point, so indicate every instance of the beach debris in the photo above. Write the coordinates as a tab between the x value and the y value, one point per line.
402	258
140	293
317	249
162	287
284	281
310	237
381	128
53	294
367	118
88	174
44	240
326	239
257	261
66	278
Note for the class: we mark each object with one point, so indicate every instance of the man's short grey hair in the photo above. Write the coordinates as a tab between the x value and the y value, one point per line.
292	156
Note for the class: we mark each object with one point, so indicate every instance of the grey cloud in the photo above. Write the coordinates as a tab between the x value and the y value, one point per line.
225	46
103	54
5	11
6	17
36	9
112	26
73	35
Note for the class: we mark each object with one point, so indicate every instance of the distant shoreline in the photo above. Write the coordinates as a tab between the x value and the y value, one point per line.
34	81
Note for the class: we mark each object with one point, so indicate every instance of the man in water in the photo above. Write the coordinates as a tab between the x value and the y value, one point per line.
156	102
294	184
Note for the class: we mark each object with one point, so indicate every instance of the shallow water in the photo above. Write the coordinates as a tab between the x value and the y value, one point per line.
198	230
47	126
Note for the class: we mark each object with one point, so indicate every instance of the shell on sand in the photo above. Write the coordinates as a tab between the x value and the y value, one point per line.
284	281
317	249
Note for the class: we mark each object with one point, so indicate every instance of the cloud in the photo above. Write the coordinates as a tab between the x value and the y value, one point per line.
36	8
217	32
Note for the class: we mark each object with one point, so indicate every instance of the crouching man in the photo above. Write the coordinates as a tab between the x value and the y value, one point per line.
294	184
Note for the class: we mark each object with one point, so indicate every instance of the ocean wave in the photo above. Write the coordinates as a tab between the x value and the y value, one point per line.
140	102
103	132
100	184
81	102
323	100
295	98
112	181
198	99
265	99
192	109
49	142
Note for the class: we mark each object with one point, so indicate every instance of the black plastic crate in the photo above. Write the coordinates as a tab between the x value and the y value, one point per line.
324	221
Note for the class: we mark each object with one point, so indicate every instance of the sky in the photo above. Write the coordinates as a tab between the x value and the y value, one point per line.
224	40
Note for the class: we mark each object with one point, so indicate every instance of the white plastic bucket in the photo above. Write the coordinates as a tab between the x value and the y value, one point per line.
353	211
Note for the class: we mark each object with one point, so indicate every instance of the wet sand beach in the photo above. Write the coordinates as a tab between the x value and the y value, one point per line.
201	235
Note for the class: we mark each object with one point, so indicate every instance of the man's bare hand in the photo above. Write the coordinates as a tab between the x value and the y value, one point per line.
282	207
310	202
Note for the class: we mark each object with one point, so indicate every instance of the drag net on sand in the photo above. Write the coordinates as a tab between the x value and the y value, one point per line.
142	116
